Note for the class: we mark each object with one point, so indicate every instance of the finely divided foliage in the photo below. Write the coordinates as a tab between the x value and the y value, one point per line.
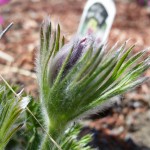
78	77
11	109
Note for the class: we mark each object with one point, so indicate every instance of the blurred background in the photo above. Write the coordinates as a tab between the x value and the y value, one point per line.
125	126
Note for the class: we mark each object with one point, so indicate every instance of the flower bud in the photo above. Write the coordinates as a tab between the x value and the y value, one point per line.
79	46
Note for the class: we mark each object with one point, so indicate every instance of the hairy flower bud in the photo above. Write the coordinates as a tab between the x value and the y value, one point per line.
79	46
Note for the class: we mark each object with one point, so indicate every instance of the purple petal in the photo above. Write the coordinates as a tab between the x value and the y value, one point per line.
77	52
79	47
2	2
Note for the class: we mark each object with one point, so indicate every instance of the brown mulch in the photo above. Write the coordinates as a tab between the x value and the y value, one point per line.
126	124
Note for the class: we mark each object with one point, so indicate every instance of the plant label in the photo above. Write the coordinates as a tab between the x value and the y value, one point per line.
97	18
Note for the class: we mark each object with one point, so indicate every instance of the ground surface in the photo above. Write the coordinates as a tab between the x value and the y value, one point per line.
123	127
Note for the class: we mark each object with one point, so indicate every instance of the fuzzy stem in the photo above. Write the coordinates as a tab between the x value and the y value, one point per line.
2	146
55	132
46	144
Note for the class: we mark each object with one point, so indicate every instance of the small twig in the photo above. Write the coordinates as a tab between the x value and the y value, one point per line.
9	86
5	30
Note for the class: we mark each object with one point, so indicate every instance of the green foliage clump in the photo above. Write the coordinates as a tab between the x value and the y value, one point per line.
78	77
11	108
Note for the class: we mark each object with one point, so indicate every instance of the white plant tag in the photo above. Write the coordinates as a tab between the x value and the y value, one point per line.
97	18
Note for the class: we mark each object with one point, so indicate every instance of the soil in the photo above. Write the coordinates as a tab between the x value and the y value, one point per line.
124	126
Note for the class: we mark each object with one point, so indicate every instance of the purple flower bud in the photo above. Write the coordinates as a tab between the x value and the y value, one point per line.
142	2
2	2
79	48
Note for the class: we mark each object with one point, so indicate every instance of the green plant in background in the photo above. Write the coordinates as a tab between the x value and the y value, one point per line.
11	109
75	79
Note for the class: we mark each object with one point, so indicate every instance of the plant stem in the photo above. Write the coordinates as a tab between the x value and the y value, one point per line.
55	132
46	144
2	146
